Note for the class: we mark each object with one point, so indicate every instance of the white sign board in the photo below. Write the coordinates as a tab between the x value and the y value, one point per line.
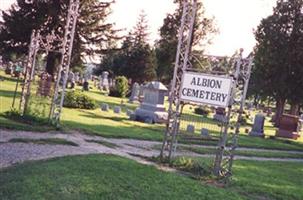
206	89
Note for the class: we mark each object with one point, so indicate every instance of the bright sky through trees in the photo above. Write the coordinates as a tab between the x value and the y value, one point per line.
236	19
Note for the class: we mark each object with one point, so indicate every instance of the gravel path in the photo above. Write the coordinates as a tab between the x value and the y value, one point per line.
13	153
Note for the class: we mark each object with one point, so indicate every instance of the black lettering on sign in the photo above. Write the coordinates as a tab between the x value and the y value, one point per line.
205	82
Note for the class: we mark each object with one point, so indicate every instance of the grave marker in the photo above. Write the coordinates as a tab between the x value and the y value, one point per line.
258	126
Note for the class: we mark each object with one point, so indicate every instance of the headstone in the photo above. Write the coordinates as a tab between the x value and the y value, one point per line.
117	109
289	127
258	126
71	79
85	85
105	83
152	107
204	132
62	77
135	93
190	128
104	107
9	69
44	85
220	115
100	86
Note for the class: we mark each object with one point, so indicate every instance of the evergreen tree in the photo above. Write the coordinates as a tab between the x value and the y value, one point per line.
93	33
136	59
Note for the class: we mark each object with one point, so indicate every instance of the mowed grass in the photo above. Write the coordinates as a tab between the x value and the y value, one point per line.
100	177
50	141
264	180
87	177
268	180
109	124
247	153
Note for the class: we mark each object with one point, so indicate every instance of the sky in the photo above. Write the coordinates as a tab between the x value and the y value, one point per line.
236	19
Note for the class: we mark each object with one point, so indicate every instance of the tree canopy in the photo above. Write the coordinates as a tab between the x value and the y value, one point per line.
166	46
93	32
136	58
278	68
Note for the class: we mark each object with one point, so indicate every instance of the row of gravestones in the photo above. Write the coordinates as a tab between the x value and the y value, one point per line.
104	81
152	110
290	126
191	129
117	109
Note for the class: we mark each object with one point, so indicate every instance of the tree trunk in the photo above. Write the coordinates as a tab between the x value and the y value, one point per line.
52	60
280	103
294	109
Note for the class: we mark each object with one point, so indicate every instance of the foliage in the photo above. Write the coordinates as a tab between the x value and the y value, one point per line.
28	118
77	99
202	110
166	47
136	59
190	165
122	86
92	28
279	55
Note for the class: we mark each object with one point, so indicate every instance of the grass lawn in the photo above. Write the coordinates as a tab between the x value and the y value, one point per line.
87	177
100	177
51	141
248	153
268	180
109	124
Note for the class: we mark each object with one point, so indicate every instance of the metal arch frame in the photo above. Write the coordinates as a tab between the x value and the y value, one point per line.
181	64
225	155
222	164
39	42
69	35
29	71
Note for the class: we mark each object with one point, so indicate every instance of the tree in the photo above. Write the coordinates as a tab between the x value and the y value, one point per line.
136	59
93	33
279	55
166	47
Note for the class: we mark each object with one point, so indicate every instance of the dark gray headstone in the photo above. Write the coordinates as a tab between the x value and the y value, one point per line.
204	132
105	107
220	115
190	128
258	126
117	109
135	93
85	86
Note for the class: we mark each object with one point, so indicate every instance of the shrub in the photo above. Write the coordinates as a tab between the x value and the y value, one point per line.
202	110
77	99
121	88
196	168
28	117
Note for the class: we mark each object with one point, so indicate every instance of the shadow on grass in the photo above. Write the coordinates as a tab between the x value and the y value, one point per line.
135	132
93	116
17	125
10	94
14	79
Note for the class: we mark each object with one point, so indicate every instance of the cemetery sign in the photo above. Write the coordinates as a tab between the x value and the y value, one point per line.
206	89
